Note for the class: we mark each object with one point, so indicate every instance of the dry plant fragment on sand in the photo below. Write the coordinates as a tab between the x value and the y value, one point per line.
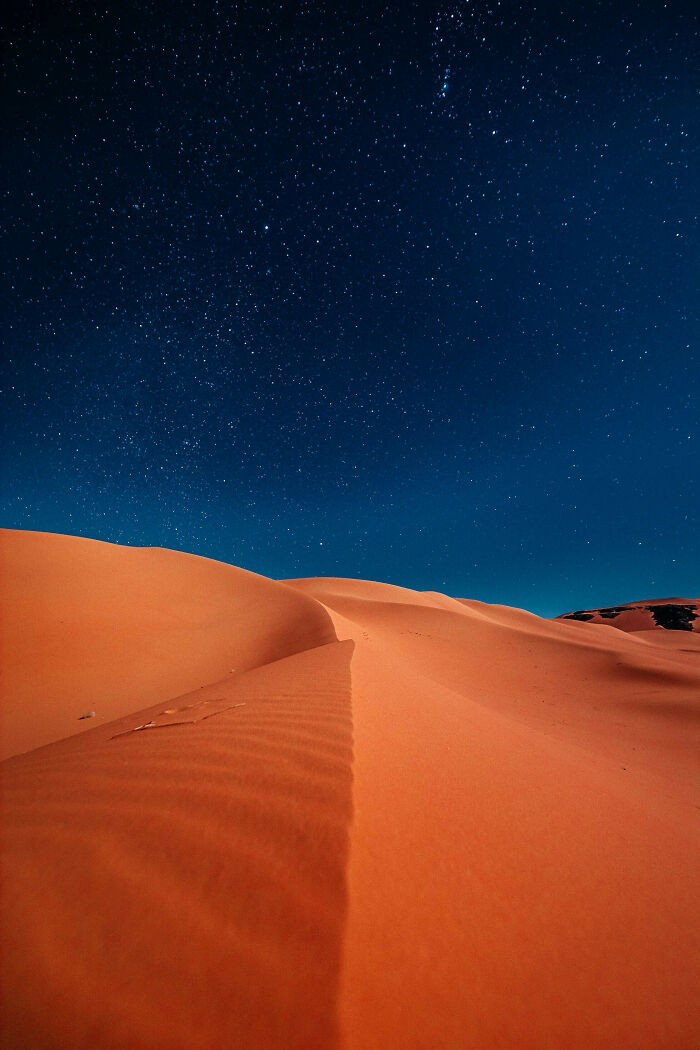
180	722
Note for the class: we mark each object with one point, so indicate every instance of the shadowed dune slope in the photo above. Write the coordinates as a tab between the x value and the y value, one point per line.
184	886
563	678
90	626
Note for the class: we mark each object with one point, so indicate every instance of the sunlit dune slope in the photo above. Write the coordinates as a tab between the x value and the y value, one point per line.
413	821
184	886
89	626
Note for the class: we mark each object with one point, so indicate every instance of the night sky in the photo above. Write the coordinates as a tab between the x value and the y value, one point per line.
404	291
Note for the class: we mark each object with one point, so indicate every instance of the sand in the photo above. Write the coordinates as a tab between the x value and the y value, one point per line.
94	627
335	813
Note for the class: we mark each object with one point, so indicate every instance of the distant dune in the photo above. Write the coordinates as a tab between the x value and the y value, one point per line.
333	813
670	614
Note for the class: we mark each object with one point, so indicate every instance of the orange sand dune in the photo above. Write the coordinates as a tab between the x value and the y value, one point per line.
88	626
404	821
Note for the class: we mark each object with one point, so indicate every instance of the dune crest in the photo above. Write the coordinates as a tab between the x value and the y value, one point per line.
406	820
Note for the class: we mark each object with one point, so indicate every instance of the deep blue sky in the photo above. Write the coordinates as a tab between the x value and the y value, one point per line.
405	291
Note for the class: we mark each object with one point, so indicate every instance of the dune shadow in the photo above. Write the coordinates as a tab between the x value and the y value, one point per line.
676	710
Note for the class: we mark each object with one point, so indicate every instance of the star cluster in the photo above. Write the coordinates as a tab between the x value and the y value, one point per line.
403	291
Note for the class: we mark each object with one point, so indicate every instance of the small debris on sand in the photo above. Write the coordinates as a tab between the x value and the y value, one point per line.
182	722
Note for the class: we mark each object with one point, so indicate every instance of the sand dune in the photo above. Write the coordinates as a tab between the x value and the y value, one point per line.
654	614
88	626
405	820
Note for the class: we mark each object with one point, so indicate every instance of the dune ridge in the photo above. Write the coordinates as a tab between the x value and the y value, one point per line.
412	820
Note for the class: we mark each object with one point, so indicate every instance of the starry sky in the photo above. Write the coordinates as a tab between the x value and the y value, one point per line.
397	290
